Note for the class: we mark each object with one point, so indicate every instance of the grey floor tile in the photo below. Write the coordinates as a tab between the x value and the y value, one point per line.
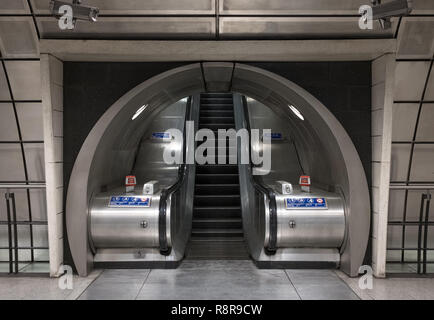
218	280
320	285
122	284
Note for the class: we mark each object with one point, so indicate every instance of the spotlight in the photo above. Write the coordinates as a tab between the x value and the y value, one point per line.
78	11
395	8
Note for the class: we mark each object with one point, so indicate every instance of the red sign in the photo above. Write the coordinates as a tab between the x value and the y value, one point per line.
130	181
305	181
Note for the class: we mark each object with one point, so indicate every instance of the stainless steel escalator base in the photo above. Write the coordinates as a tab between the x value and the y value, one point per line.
137	258
137	265
296	264
299	258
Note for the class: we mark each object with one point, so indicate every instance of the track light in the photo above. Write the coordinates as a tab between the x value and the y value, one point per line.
73	11
395	8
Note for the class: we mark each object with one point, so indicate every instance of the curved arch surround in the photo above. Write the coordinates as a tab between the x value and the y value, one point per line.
100	163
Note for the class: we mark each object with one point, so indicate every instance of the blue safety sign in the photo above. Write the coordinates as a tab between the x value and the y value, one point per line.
305	203
274	135
128	201
161	135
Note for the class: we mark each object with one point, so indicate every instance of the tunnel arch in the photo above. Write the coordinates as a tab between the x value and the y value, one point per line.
107	147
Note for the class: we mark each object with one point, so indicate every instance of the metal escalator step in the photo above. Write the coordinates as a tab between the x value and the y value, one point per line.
216	106
217	169
202	178
216	126
215	112
217	212
207	189
217	223
222	200
234	249
217	233
216	119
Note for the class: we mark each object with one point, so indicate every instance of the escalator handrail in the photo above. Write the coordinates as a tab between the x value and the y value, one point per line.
260	186
166	193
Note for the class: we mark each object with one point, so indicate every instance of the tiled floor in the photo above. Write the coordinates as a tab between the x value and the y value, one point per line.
216	280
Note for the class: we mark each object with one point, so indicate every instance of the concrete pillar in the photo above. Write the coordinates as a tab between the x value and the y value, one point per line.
52	106
383	75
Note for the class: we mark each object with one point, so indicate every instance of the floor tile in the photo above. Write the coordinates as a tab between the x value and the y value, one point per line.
122	284
320	285
217	280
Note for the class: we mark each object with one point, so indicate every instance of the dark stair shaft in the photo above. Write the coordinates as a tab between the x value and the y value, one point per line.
217	231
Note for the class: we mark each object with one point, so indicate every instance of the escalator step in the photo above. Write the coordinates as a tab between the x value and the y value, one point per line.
216	178
216	119
217	223
216	126
217	249
217	106
217	169
222	200
207	189
220	212
214	112
217	233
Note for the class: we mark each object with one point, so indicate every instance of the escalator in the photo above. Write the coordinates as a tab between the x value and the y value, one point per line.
217	231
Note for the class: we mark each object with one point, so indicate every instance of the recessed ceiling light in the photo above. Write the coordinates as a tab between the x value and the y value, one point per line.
139	111
296	111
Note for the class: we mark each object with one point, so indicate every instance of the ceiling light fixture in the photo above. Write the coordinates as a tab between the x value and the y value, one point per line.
296	112
139	111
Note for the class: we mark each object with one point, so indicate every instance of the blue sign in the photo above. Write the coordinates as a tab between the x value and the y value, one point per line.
161	135
135	202
274	135
305	203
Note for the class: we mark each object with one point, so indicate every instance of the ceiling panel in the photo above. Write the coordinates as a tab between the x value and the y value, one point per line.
31	123
11	163
404	121
149	7
132	28
416	38
8	124
422	168
425	129
4	89
35	161
429	94
18	38
410	78
423	7
400	158
25	79
291	7
298	28
14	7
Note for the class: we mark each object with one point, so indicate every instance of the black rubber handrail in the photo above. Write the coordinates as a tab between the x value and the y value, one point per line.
165	249
260	186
